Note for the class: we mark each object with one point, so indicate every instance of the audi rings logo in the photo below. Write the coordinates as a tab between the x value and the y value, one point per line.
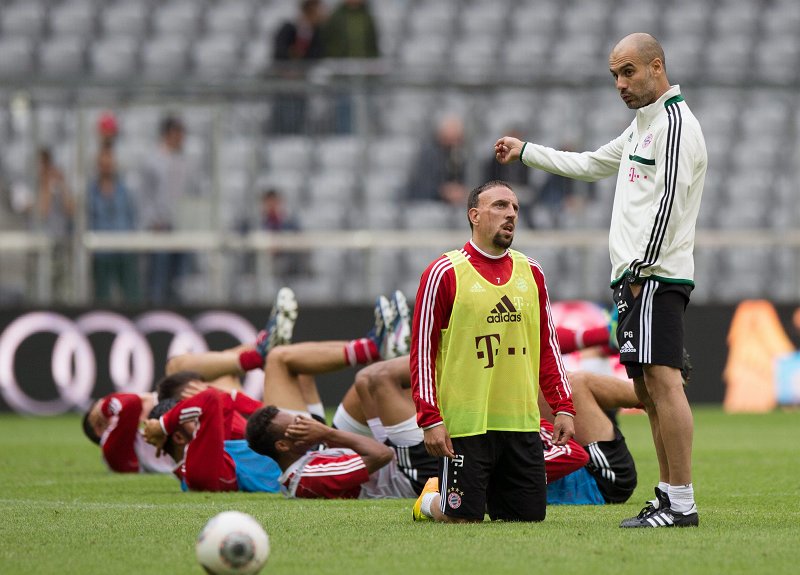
131	364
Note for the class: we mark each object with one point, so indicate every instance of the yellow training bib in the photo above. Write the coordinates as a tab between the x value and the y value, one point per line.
487	368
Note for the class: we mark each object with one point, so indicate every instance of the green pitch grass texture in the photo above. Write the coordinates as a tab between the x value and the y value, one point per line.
62	512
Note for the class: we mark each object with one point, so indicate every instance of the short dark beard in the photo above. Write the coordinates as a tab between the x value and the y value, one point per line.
499	241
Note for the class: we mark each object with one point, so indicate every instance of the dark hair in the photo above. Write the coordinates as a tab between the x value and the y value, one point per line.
88	430
307	6
472	201
172	385
169	123
158	411
162	407
261	434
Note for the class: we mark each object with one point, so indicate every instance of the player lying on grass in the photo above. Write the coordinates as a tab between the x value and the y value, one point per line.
113	421
198	426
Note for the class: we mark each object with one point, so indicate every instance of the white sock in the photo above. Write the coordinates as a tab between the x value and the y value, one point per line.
346	422
425	506
378	430
681	497
316	409
406	433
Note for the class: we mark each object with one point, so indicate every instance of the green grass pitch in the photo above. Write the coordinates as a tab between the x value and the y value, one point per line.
62	512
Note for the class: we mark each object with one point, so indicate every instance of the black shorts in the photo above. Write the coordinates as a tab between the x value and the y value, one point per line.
650	329
501	472
611	464
415	463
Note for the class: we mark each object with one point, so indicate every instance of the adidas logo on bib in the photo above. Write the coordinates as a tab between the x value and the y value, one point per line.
477	288
627	348
504	311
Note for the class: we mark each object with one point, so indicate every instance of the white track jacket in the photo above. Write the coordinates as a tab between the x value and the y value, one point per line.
660	161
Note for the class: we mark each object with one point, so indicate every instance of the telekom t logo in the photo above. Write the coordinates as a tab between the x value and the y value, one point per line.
489	350
633	175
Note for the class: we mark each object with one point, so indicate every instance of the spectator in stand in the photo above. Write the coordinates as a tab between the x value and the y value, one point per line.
107	128
440	170
55	210
560	198
166	179
276	218
274	215
111	209
296	43
350	32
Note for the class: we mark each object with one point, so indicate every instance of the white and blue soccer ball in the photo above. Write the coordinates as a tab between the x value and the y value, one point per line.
232	543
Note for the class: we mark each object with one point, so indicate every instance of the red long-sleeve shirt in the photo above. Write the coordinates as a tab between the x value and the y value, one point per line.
206	465
434	304
123	410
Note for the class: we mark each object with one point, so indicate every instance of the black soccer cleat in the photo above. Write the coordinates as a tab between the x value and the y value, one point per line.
666	518
648	509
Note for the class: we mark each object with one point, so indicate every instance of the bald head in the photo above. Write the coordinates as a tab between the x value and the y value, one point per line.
643	44
637	65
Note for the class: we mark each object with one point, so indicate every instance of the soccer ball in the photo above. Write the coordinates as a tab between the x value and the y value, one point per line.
232	543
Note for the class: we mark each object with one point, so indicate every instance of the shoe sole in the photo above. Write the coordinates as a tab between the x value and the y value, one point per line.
286	304
401	329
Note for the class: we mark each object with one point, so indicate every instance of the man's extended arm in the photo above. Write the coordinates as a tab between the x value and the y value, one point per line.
586	166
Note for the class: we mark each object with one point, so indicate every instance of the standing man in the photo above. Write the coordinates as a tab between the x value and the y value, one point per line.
167	180
660	161
482	344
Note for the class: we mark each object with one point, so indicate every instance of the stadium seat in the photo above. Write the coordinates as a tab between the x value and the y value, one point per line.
686	19
16	56
271	15
324	215
23	18
428	215
408	111
384	188
125	18
231	17
74	17
432	19
62	57
536	20
329	187
585	18
179	17
114	57
777	59
289	152
165	57
257	57
781	18
393	153
578	54
728	59
339	153
474	55
484	18
736	19
424	55
237	153
216	56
